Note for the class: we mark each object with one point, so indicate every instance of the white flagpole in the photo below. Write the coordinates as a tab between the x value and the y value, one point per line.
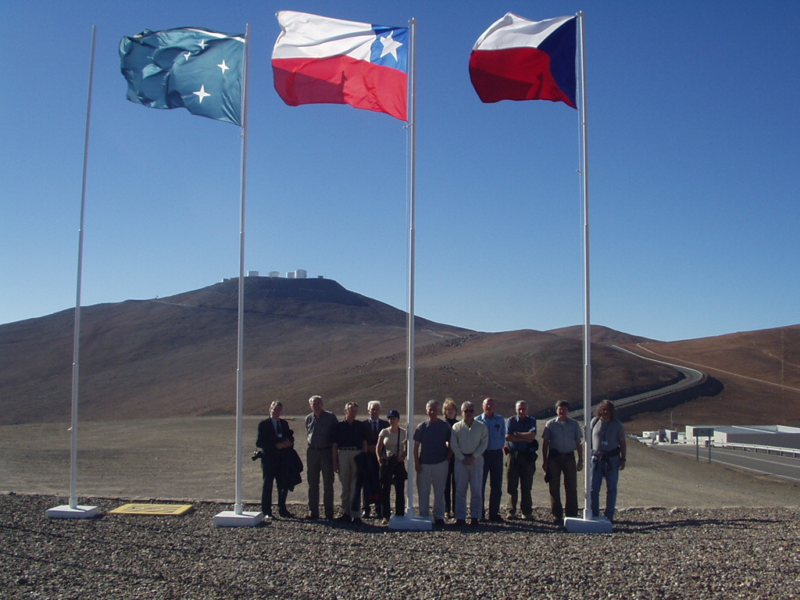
587	323
73	510
238	517
411	257
409	521
587	524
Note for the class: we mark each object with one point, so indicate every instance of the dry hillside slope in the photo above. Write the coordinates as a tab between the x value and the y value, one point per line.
176	356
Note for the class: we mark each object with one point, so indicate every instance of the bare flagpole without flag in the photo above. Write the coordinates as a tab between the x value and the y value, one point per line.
410	521
73	510
238	517
587	524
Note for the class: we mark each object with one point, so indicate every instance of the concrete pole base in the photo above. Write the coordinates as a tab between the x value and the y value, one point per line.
410	522
229	518
65	511
588	525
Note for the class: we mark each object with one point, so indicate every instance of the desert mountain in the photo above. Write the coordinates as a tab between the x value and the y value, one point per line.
760	371
176	356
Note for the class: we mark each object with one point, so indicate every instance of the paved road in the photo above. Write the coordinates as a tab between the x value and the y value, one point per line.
783	467
691	378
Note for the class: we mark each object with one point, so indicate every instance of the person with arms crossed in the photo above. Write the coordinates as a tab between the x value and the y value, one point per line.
521	460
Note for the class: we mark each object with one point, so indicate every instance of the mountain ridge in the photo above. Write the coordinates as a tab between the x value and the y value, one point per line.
176	356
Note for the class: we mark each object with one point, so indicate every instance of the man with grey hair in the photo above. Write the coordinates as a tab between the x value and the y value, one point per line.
372	427
468	442
430	462
275	438
521	458
493	457
320	426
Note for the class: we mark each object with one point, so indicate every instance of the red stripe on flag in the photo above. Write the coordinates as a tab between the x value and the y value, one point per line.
514	74
342	80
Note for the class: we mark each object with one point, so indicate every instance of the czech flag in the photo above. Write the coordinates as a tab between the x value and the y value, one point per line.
518	59
318	60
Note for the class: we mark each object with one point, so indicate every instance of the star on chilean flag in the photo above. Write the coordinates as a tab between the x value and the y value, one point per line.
319	60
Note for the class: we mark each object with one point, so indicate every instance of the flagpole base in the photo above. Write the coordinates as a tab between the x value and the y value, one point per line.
65	511
588	525
410	522
229	518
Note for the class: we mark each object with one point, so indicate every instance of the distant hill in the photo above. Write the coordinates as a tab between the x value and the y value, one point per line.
759	369
600	335
176	356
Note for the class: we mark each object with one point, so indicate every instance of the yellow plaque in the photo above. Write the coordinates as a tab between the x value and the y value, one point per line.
152	509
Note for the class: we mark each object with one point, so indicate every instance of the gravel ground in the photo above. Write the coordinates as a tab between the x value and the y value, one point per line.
654	553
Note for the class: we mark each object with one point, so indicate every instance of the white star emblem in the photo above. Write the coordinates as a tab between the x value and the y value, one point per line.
202	44
186	55
223	66
390	46
202	93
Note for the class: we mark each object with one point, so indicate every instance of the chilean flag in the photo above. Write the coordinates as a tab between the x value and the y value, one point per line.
518	59
318	60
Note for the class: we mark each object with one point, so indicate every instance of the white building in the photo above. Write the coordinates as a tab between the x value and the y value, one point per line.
778	436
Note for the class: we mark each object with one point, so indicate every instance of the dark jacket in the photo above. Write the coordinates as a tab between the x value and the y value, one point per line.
372	437
284	464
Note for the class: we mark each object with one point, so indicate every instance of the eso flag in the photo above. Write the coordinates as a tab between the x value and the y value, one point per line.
518	59
197	69
319	60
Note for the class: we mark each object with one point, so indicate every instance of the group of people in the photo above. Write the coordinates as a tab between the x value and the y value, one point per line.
453	458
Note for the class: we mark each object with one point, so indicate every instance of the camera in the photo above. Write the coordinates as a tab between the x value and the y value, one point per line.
257	454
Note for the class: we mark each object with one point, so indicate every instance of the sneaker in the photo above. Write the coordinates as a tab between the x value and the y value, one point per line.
496	519
512	513
473	522
285	513
268	516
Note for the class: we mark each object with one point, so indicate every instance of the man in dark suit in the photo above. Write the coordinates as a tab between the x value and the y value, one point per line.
275	440
372	427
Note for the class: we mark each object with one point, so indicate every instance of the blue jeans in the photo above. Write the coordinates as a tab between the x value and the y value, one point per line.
607	469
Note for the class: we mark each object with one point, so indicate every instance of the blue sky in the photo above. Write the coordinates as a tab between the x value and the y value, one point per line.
694	154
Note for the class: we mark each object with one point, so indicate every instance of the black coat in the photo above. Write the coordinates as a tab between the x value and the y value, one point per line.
283	464
372	438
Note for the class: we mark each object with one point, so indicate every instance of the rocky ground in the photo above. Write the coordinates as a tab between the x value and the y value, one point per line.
654	553
686	529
